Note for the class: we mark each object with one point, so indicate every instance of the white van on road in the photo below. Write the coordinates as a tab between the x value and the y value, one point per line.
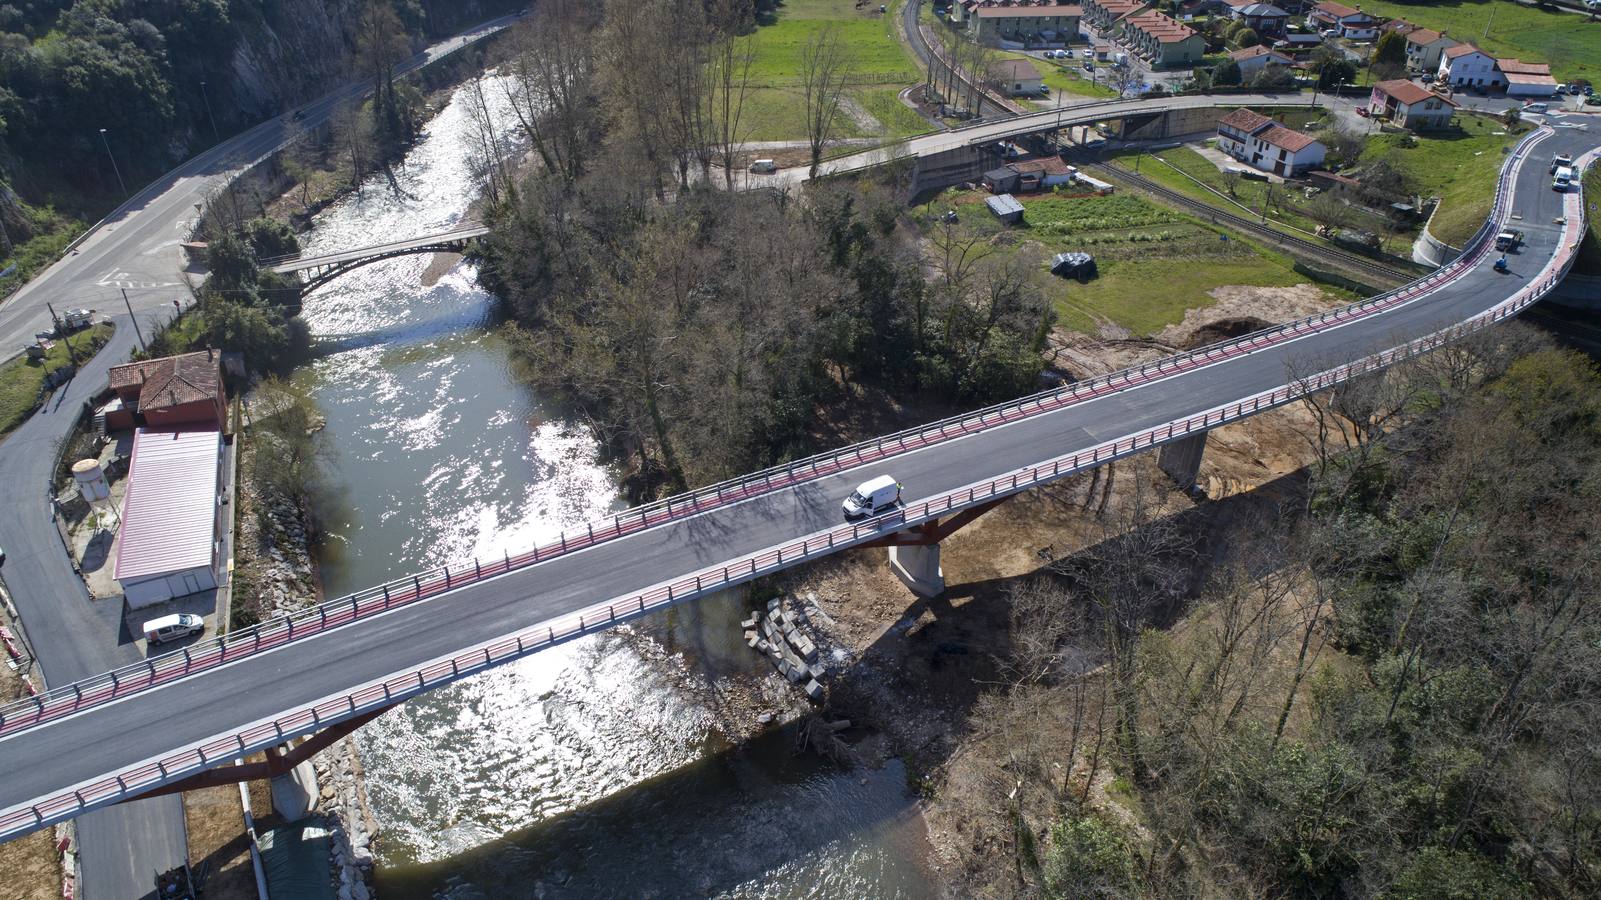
763	167
873	496
170	628
1562	180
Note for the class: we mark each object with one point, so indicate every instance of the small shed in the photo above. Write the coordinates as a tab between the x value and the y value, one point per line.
1001	181
1006	208
1073	265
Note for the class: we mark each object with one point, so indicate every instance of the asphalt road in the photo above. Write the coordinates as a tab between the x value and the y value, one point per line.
137	248
73	751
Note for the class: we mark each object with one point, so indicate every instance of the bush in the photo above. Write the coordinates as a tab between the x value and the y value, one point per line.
1088	858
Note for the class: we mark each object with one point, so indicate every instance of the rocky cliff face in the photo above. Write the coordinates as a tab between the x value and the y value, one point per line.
289	48
290	51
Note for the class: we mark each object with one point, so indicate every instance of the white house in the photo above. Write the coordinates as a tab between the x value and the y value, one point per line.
1347	21
1467	66
1424	47
1254	59
1264	144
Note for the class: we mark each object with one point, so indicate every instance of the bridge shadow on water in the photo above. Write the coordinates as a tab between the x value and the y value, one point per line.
723	821
734	818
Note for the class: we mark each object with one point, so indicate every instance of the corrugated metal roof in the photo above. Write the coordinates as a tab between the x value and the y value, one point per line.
169	509
1004	204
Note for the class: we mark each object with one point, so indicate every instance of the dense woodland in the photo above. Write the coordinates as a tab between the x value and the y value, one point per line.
1393	692
702	331
168	78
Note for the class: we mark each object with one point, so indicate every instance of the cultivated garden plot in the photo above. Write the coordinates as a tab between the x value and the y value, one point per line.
1154	264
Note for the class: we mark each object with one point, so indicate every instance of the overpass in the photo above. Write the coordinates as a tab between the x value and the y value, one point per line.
154	725
325	267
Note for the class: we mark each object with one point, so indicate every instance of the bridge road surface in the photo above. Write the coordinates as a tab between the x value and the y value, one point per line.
120	847
302	263
84	747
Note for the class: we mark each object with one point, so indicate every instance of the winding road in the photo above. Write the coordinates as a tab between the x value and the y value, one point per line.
136	248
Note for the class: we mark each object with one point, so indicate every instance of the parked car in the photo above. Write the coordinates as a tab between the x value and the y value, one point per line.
1536	107
1562	89
872	497
1089	66
170	628
1560	161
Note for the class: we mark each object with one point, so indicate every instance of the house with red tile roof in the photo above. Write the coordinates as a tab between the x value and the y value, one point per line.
1410	105
172	391
1263	144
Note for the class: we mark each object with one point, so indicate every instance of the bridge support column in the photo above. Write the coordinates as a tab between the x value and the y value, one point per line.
295	792
1181	460
917	566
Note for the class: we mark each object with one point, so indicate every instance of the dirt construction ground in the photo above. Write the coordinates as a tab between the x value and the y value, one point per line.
30	867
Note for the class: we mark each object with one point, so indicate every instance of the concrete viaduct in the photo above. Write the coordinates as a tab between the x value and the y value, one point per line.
162	723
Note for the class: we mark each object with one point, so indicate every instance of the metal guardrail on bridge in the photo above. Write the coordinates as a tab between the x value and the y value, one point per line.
68	699
396	689
72	698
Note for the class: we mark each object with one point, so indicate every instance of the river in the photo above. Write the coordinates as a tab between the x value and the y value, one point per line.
593	769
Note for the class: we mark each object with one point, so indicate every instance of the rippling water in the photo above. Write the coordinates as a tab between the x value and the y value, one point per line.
592	769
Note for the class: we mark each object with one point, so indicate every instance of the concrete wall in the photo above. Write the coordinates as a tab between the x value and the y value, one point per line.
1578	292
1430	250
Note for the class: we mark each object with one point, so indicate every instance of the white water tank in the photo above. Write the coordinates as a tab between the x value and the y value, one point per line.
91	480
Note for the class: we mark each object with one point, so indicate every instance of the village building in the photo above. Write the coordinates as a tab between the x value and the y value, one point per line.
1467	66
1028	25
1103	13
169	392
1267	20
1526	79
1264	144
1252	60
1162	40
1424	47
1347	21
1410	105
1017	77
169	542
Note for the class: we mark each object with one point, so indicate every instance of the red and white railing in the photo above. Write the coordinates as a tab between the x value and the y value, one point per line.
155	772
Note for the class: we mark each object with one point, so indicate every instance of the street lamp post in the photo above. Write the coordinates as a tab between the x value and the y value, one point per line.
207	100
109	155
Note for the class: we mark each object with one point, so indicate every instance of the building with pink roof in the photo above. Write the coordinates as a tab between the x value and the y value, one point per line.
170	544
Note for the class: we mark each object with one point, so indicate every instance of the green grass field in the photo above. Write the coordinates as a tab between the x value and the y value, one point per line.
1459	167
1590	250
1570	42
1181	168
21	379
1065	77
880	67
1153	263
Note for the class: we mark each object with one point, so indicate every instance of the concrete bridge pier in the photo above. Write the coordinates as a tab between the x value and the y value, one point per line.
917	566
1181	460
295	792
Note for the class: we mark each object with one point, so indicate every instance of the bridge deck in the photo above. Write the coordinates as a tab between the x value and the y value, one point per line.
305	263
106	738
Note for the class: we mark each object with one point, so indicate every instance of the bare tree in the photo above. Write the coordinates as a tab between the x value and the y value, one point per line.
729	80
551	85
825	62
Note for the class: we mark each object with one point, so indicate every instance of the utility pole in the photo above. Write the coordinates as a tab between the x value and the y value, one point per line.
216	135
113	158
135	319
65	337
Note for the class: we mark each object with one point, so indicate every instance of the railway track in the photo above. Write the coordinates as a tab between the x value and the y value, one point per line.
1350	261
